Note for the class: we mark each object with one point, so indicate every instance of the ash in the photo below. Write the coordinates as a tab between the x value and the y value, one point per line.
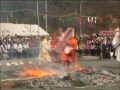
9	74
48	83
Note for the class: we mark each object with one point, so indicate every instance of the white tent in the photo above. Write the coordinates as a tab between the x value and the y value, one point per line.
21	29
35	30
6	29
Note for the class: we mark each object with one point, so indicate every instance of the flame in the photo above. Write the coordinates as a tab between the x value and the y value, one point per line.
77	67
94	68
37	72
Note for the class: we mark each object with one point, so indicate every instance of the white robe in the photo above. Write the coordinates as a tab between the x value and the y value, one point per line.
44	54
117	53
115	40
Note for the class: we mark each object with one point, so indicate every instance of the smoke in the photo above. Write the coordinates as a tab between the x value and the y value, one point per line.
53	66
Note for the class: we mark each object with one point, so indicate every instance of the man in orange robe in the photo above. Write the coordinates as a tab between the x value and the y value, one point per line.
68	54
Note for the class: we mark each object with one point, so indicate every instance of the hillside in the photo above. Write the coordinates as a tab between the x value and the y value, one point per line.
56	11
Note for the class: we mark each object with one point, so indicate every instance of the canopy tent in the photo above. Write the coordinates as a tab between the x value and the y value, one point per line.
6	29
21	29
34	30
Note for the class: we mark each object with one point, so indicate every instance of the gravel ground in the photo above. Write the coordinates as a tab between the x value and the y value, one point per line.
111	65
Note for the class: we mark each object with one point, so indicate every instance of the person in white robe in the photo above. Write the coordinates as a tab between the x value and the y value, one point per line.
116	43
44	53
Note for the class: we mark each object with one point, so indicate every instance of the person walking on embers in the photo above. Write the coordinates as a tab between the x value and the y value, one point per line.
44	53
67	54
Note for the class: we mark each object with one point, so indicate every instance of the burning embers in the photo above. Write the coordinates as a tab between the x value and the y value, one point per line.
50	70
37	72
53	79
54	75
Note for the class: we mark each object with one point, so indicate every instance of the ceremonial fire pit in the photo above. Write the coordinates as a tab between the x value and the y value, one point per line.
78	78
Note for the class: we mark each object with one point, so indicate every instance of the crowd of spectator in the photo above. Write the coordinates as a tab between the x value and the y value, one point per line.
28	47
18	47
96	45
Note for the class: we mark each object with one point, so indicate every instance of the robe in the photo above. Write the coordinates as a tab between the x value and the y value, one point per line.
116	39
44	54
68	54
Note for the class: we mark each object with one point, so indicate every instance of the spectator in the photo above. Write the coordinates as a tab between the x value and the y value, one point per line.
25	49
15	49
31	49
19	50
36	48
11	50
1	54
4	49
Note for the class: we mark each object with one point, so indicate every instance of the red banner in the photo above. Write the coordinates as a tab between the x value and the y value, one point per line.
106	33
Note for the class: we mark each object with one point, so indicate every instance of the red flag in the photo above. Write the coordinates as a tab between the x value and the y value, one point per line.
110	29
80	21
110	18
90	20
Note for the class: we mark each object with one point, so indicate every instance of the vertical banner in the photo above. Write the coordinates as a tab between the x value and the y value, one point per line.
110	29
88	19
80	21
95	19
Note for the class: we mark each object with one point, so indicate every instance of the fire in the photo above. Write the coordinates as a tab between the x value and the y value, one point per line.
93	68
77	67
37	72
